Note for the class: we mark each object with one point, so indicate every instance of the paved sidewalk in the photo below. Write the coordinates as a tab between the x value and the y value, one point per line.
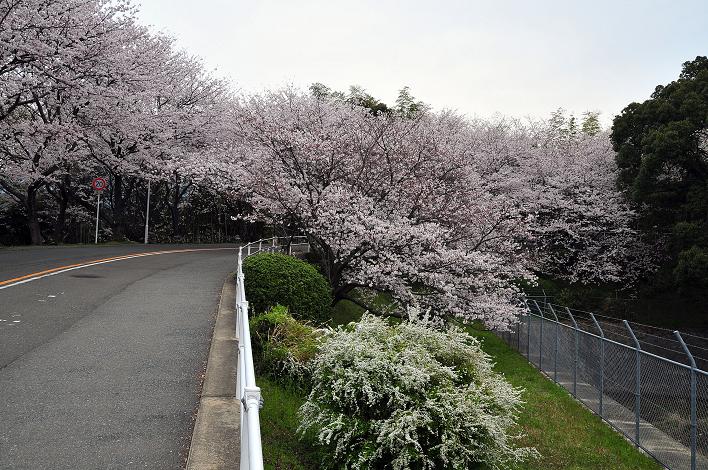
216	438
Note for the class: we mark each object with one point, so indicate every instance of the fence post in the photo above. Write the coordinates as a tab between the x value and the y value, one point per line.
273	245
528	335
602	359
540	340
555	346
694	433
249	249
545	297
575	356
637	382
518	336
260	246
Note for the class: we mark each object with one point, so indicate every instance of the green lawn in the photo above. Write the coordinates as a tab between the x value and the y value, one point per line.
566	434
281	447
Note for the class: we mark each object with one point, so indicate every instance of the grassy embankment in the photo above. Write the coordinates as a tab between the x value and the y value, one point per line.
566	434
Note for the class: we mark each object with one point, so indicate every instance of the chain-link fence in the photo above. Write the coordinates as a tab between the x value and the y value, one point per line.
647	382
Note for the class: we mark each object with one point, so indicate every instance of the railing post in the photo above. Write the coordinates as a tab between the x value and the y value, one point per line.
555	346
251	403
575	356
274	241
637	382
694	424
249	249
260	246
602	360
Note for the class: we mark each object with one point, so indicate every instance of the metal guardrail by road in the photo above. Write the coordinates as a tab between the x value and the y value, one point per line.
655	399
246	388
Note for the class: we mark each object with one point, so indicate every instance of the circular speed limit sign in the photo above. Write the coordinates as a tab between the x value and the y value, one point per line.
99	184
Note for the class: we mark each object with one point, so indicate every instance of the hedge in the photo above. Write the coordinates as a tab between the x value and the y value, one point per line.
276	279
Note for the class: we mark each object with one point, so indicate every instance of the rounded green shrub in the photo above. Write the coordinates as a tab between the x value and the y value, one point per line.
276	279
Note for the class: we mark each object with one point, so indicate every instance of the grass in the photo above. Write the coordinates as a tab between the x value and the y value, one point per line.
282	449
566	434
346	311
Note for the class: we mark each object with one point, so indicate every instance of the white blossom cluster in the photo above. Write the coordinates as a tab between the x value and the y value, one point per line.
410	396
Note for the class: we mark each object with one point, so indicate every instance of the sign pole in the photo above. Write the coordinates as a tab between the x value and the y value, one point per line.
98	185
98	209
147	214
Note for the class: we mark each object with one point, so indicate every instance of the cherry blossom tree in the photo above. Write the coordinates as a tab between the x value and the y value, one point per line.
48	46
55	54
88	90
390	204
581	227
432	208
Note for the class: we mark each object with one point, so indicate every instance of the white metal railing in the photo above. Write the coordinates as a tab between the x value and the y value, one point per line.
246	388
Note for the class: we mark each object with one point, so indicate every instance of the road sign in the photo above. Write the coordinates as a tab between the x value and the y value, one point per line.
99	184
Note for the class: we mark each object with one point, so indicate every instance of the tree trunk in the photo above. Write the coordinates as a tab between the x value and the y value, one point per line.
62	197
118	223
60	221
32	219
175	200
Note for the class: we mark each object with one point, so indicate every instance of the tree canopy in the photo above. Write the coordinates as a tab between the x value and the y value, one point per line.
662	154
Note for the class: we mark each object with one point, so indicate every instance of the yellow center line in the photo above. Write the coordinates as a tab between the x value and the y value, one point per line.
69	267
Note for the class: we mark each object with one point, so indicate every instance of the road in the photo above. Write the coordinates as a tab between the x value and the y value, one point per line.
100	366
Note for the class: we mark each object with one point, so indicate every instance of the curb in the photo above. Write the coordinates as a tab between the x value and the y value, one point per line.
216	437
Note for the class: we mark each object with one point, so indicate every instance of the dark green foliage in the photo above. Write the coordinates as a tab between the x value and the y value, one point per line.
13	229
662	153
591	123
691	270
406	104
276	279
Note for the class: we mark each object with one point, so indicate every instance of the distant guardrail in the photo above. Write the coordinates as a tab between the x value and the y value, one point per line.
248	392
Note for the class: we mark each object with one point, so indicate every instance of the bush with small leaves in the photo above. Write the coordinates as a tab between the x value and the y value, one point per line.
283	347
277	279
410	396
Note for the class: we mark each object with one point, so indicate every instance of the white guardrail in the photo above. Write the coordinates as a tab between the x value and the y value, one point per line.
246	388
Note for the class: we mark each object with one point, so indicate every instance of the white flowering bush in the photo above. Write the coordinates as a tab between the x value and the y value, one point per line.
410	396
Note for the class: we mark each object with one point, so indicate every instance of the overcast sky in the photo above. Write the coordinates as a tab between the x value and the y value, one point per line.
520	58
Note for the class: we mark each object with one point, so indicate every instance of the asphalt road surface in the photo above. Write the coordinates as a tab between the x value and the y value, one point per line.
100	366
